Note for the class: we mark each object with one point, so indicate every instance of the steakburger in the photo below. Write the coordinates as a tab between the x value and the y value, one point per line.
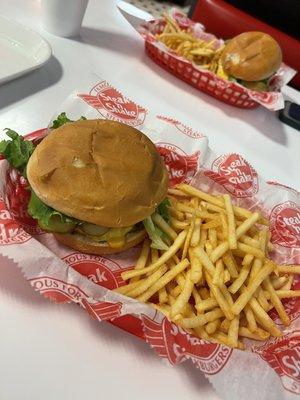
251	58
95	184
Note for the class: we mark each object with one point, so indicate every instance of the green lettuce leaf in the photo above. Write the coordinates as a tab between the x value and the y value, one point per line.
163	209
154	234
62	119
47	217
17	151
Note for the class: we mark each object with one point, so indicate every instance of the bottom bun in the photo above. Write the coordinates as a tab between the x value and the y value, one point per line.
85	245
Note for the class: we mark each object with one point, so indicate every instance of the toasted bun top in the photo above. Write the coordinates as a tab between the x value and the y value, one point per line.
251	56
99	171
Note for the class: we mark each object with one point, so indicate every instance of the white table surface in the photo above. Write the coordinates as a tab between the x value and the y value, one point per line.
56	352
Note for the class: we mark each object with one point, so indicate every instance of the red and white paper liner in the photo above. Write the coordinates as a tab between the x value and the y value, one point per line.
64	275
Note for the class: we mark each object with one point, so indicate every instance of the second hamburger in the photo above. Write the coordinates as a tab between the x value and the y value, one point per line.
251	59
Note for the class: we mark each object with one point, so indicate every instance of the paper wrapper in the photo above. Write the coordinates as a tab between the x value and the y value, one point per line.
227	91
64	275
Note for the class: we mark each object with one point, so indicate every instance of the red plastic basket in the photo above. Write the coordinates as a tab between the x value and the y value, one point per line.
230	93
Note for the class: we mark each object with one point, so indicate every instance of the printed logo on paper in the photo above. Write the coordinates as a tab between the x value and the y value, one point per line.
285	224
181	166
235	174
17	198
284	357
111	104
267	98
57	289
173	343
182	128
97	269
103	310
10	230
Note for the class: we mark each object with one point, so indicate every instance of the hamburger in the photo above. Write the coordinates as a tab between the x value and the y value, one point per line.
251	59
95	184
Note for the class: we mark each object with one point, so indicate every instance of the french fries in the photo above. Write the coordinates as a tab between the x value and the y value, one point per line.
216	280
201	52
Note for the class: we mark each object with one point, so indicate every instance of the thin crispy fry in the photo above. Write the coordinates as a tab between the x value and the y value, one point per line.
262	299
196	232
223	338
278	282
175	291
218	295
226	294
199	213
252	325
201	195
208	247
178	242
204	259
203	237
230	265
142	260
250	250
244	298
176	192
256	266
276	302
232	240
180	279
226	276
259	334
239	281
263	318
288	269
213	326
233	331
289	283
219	251
162	296
196	267
212	207
188	239
184	296
202	319
247	260
212	237
250	241
286	294
164	226
224	224
146	283
211	224
166	278
207	304
218	275
196	296
126	288
179	225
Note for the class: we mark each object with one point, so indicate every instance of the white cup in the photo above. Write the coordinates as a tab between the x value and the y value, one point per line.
63	17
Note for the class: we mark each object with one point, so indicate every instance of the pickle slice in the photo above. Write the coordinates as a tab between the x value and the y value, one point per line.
55	224
93	230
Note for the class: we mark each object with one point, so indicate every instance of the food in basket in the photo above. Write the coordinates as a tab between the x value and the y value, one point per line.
216	280
97	185
249	59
